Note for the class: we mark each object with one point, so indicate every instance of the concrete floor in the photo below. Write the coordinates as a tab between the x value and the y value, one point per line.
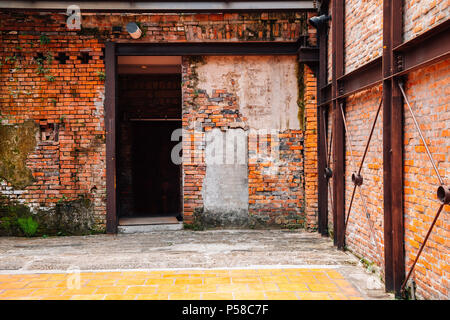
219	249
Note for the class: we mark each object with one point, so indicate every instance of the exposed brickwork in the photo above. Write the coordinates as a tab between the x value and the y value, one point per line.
421	15
310	153
360	113
427	89
363	32
428	92
69	96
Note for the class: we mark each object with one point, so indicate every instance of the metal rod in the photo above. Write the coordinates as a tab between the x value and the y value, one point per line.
421	248
370	135
421	135
350	207
349	135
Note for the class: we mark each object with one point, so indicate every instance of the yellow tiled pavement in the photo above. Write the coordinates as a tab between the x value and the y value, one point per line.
238	284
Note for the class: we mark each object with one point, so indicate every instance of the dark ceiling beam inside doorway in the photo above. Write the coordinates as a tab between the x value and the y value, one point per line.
306	54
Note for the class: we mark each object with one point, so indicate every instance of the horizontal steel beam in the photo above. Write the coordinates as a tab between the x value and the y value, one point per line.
306	54
428	48
161	6
362	78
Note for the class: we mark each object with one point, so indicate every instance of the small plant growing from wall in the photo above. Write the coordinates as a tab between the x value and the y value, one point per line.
28	226
44	39
101	75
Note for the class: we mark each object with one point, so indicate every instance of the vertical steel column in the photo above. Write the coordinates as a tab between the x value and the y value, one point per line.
322	134
338	126
393	149
110	127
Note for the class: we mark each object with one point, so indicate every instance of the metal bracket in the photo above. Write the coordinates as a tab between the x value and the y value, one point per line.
443	194
357	179
399	62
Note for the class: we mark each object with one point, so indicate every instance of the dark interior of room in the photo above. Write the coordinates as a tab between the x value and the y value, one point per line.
148	182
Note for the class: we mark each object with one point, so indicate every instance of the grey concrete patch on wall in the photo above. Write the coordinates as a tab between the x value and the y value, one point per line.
225	187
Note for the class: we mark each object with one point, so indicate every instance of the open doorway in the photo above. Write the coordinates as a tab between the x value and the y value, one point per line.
148	112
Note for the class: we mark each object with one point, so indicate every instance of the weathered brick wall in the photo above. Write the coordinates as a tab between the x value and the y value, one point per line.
310	146
428	91
421	15
66	94
363	32
217	95
360	113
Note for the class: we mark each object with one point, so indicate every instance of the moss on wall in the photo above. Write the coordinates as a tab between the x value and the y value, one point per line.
16	142
300	71
68	217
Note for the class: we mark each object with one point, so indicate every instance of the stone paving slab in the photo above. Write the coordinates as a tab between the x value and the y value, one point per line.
197	253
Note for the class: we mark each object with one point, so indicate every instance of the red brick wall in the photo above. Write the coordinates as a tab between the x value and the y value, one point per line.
428	91
360	113
71	95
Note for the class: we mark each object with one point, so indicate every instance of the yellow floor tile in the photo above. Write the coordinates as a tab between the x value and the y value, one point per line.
333	274
141	290
44	284
293	287
249	295
275	279
81	291
263	287
44	292
120	297
218	280
281	295
157	296
189	281
155	282
217	296
101	283
13	285
245	280
14	293
184	296
323	287
239	287
111	290
165	288
313	296
202	288
131	282
88	297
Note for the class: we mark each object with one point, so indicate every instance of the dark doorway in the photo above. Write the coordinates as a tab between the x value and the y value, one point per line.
149	110
156	179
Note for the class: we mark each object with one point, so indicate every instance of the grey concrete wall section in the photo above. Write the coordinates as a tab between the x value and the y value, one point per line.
225	187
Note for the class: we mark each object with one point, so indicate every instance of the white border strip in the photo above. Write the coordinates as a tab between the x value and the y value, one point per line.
311	266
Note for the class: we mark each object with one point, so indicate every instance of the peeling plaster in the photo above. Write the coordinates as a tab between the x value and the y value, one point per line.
265	87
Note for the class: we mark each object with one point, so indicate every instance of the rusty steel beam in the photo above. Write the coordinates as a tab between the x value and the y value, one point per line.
338	126
392	150
322	181
110	126
428	48
362	78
